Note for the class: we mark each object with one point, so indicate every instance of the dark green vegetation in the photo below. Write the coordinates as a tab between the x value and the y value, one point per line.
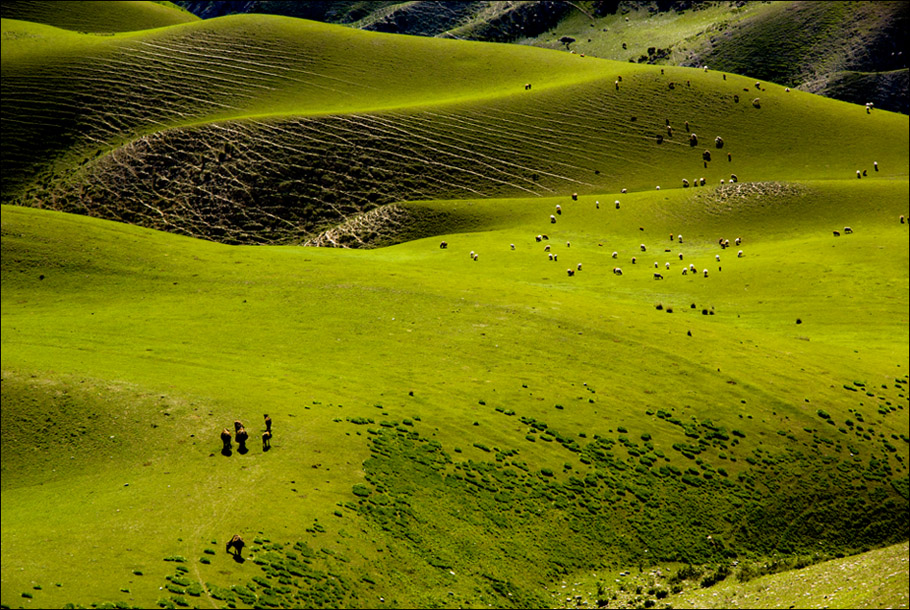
447	431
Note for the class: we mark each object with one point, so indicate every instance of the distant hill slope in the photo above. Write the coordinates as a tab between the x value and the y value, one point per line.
277	141
812	45
97	16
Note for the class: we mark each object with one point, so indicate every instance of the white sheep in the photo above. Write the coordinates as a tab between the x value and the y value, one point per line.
571	272
717	257
539	238
739	254
615	254
643	248
617	271
655	264
476	256
513	246
685	271
552	219
679	238
875	165
658	188
859	174
680	256
738	240
579	266
597	204
706	273
558	209
617	204
551	256
471	254
667	265
623	191
692	267
568	244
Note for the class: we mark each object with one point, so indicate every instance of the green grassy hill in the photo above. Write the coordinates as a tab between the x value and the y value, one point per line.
448	430
96	16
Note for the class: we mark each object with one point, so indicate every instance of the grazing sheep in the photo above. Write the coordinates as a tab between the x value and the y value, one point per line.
552	219
236	543
730	158
471	255
615	254
568	244
657	187
237	425
685	271
756	103
836	233
655	265
858	175
738	240
550	256
706	155
555	257
875	165
671	237
758	85
692	267
571	272
268	422
546	248
739	254
617	204
619	79
706	272
538	238
443	245
669	131
545	236
616	84
623	191
527	86
903	220
633	260
735	99
658	276
693	140
574	196
679	239
685	183
719	142
847	230
617	271
680	256
513	246
721	181
558	209
865	174
687	125
578	266
597	204
266	440
702	181
734	178
667	265
726	243
476	256
717	257
643	248
787	90
671	86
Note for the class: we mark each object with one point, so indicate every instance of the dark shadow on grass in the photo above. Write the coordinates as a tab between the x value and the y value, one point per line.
226	452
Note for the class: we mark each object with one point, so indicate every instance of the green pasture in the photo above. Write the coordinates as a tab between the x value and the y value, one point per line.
448	430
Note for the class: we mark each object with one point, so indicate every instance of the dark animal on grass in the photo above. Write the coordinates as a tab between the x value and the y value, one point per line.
617	271
241	437
237	425
836	233
658	276
266	440
443	245
693	140
236	543
847	230
571	272
268	423
226	440
706	155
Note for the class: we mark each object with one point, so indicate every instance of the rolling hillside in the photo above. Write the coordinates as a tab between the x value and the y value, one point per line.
583	381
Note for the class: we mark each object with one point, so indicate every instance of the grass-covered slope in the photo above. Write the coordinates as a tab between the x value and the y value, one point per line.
443	424
97	16
313	124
